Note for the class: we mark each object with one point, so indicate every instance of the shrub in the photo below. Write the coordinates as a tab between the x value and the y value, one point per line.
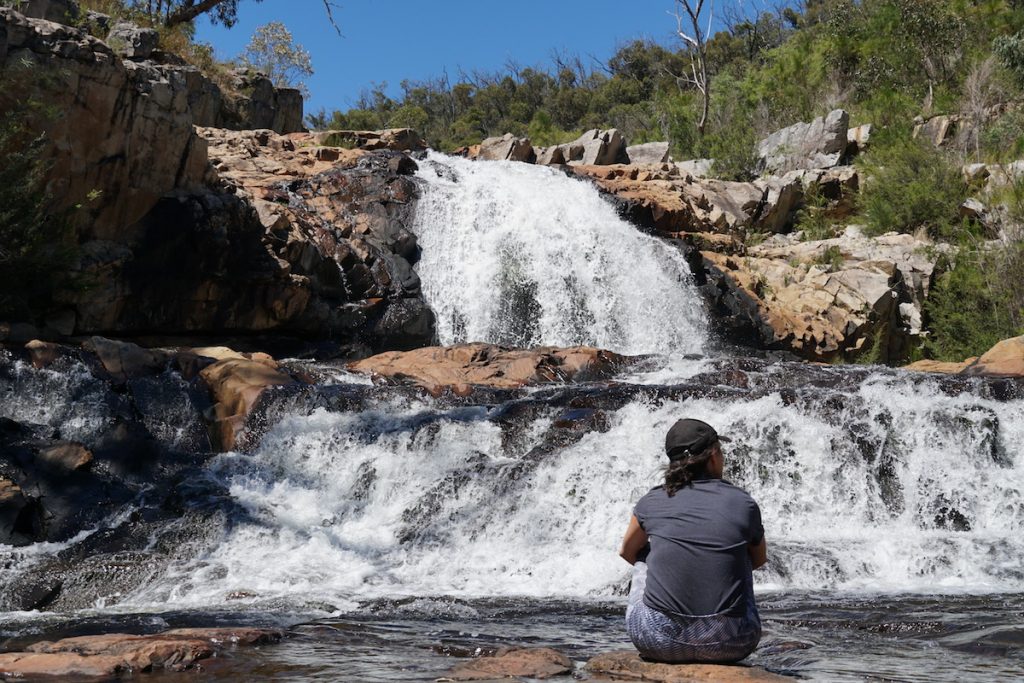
812	218
910	185
976	303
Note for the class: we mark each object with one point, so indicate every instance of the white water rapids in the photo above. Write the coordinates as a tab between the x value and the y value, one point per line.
354	506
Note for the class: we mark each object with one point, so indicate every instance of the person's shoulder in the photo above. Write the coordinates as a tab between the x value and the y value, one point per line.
733	490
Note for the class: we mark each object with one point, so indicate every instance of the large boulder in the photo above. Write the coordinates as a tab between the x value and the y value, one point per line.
1005	359
131	41
463	366
627	665
824	299
648	153
818	144
596	148
507	148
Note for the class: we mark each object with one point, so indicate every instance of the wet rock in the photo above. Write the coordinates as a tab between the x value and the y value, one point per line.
528	662
236	385
507	148
818	144
626	664
463	366
124	360
65	455
119	653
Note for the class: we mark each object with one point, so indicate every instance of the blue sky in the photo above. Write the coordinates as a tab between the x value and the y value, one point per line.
403	39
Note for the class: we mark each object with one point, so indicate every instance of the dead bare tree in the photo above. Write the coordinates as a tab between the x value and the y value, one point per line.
690	16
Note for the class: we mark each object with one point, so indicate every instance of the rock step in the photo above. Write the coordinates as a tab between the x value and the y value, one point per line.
120	653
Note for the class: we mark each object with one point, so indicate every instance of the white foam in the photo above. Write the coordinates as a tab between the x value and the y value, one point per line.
481	530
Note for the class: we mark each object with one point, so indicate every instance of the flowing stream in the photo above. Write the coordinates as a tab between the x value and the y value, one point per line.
893	502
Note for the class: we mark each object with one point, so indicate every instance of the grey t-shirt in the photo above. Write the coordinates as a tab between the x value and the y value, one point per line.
698	562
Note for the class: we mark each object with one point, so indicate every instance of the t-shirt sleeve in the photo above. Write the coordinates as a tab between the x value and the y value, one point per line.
755	526
642	511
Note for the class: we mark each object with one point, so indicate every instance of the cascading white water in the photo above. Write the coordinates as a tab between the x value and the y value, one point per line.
524	255
902	488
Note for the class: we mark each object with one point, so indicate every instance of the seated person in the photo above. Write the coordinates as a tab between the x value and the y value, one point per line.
693	543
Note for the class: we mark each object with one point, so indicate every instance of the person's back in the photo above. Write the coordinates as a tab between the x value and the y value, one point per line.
698	562
694	542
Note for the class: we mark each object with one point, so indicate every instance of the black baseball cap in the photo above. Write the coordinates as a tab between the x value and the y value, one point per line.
690	437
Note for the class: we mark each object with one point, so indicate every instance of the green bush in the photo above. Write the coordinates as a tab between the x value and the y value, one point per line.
812	218
910	185
976	303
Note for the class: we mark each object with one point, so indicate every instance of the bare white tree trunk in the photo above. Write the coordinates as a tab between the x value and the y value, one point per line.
690	15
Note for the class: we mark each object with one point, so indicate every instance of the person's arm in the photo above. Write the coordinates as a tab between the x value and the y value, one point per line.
758	553
633	542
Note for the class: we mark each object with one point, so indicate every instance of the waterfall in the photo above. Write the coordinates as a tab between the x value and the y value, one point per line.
898	486
524	255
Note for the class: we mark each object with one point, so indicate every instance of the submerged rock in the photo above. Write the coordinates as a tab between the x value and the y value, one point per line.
508	662
627	664
463	366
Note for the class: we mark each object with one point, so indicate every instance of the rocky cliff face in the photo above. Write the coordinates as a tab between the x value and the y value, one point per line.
205	231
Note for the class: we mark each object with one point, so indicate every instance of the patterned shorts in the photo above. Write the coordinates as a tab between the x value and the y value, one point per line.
677	638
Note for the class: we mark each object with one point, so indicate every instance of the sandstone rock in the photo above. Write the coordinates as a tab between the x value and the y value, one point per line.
826	298
124	130
289	242
118	653
463	366
396	139
528	662
132	42
66	455
627	665
19	515
124	360
550	156
236	384
700	168
507	148
596	148
65	664
858	139
937	366
1004	359
975	211
818	144
648	153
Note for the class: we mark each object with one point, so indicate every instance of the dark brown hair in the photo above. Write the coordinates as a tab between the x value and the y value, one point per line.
680	473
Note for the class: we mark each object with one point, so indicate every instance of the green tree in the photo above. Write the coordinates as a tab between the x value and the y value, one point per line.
274	52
